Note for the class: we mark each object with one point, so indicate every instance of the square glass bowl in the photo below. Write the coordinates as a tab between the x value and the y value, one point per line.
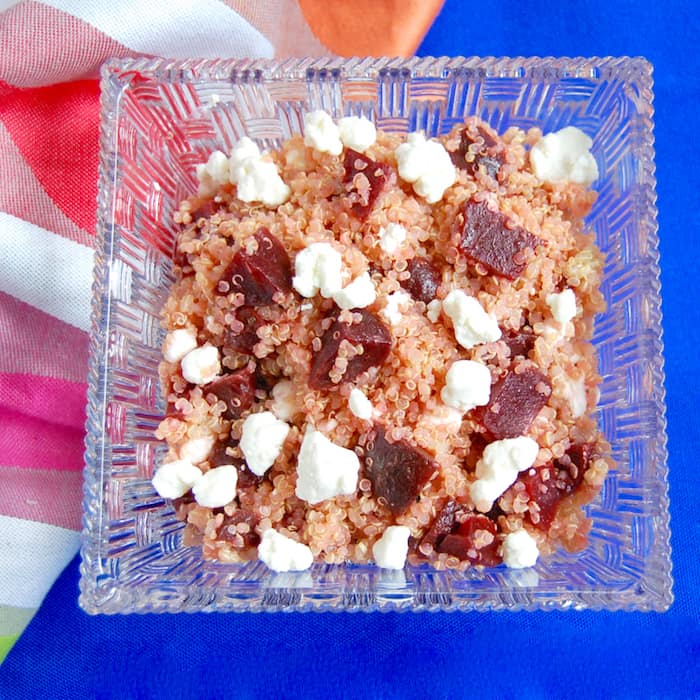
161	118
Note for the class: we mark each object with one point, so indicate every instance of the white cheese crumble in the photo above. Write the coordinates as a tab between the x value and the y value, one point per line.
178	343
358	133
392	309
519	550
324	469
244	150
358	294
467	385
257	180
322	133
284	404
201	365
433	310
427	165
262	437
472	325
175	479
318	268
563	305
196	450
564	155
217	487
498	468
390	550
360	405
282	553
212	174
391	237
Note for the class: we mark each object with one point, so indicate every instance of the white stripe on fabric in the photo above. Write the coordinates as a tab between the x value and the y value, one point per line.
45	270
7	4
172	28
32	555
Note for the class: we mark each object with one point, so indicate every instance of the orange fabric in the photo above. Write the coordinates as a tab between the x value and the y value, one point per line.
370	27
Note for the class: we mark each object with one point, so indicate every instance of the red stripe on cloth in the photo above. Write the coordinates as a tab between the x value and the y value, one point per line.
42	422
34	342
55	128
23	196
43	496
43	45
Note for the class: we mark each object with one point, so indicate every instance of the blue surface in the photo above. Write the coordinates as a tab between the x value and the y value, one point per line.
66	654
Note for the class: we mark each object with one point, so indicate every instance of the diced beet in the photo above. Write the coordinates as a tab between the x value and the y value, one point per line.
228	533
564	477
514	403
245	340
246	478
379	176
261	274
184	500
236	389
370	333
295	518
424	280
489	155
486	239
463	543
263	380
519	342
218	457
206	209
445	522
476	450
398	471
577	460
488	138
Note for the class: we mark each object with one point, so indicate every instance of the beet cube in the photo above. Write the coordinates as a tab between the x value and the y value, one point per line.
444	524
563	477
515	401
486	239
379	176
519	342
475	541
236	390
228	531
261	274
218	457
370	333
487	154
244	340
424	280
398	471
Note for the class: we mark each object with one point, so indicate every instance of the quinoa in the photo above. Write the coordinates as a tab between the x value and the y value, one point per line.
286	334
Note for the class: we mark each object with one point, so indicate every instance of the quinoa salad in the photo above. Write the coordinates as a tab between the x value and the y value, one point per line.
378	349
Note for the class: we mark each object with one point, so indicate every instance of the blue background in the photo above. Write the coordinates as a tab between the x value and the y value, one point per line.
65	653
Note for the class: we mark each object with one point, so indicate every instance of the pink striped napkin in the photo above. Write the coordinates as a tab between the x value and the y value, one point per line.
51	52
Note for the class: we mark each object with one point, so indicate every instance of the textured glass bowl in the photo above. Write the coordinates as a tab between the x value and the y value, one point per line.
159	119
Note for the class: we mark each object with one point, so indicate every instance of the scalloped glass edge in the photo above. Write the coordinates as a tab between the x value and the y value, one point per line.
104	592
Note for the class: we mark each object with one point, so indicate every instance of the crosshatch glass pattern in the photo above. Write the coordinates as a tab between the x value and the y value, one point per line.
161	118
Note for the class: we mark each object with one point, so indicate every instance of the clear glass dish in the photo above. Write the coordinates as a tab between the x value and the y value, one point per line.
159	119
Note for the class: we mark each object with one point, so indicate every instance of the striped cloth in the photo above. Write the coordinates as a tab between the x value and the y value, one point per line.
50	52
